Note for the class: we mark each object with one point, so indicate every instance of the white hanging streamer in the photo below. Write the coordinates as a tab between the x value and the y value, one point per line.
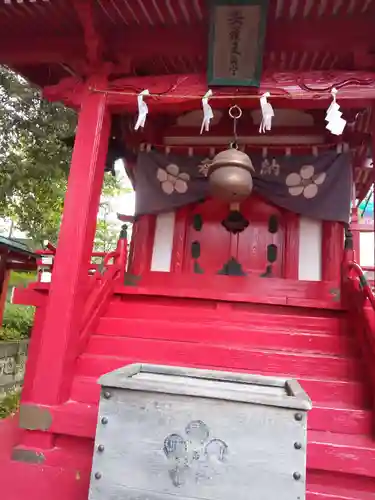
142	110
335	124
207	112
267	113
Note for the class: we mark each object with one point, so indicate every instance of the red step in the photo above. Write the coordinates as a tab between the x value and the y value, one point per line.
313	346
228	357
318	492
208	312
230	334
330	485
348	454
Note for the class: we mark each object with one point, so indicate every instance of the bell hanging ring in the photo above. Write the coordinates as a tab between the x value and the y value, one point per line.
235	112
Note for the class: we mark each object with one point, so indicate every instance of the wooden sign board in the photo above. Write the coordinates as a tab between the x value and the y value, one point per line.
237	29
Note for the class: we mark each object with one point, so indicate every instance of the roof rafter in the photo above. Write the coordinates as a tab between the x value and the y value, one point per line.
92	38
143	43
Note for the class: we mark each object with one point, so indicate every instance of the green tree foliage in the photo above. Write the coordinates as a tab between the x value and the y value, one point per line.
21	279
9	405
107	230
17	322
106	236
34	158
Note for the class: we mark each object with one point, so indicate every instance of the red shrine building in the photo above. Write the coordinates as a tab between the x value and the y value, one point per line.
247	130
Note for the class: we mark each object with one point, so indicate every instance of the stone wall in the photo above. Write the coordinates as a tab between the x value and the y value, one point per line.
12	365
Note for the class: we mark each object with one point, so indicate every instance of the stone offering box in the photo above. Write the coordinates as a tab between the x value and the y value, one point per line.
199	434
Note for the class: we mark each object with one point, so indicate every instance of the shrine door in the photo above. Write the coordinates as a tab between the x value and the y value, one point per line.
257	250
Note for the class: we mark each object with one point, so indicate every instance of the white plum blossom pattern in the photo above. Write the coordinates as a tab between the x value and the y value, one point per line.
171	179
306	182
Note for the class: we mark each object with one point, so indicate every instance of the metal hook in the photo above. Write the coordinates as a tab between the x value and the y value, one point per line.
235	112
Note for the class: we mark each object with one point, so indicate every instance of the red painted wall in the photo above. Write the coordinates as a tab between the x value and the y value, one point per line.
249	248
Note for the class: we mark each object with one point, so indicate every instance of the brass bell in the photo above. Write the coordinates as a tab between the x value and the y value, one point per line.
230	176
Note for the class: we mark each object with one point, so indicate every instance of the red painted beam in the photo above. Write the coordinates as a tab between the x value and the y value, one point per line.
20	266
29	296
288	89
304	35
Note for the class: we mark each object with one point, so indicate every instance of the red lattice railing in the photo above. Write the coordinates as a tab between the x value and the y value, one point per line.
104	274
357	229
359	299
353	274
99	262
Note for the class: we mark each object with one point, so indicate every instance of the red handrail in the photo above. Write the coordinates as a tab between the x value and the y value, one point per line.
94	269
104	278
356	269
100	293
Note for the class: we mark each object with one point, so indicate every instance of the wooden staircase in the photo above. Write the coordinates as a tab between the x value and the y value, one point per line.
322	347
316	347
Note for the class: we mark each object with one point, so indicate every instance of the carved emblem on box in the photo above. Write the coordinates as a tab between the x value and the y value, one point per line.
187	454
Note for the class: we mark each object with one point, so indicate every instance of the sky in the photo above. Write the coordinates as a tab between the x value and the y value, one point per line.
125	203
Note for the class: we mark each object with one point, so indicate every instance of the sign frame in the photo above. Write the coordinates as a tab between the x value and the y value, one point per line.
254	81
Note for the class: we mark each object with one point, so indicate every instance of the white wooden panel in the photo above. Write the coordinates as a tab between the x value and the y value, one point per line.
46	277
310	249
366	249
163	242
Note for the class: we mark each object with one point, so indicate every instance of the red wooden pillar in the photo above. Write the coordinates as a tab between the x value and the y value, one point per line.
332	250
36	346
143	242
356	233
291	250
373	176
60	330
179	239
